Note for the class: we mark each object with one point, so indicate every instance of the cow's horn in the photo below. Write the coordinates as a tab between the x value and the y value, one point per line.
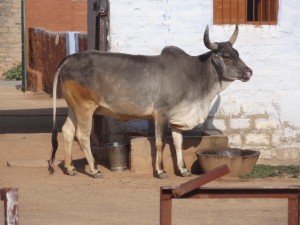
208	44
234	35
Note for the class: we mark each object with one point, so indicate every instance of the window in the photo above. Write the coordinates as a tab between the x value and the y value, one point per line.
245	12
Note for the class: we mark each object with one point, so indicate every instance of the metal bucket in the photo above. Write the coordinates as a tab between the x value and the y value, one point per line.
117	155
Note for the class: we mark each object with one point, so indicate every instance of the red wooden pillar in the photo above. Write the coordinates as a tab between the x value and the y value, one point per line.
165	206
293	211
10	198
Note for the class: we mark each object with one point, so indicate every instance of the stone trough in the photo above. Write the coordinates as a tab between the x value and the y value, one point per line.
239	161
142	151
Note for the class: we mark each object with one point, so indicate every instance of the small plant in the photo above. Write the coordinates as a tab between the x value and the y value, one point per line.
291	171
264	171
14	73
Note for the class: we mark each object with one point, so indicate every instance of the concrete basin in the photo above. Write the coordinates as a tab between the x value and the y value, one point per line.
239	161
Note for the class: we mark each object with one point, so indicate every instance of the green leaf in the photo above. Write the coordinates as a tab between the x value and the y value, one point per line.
14	73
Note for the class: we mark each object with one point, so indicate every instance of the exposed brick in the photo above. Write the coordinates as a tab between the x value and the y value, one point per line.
235	140
265	152
289	154
277	138
241	123
254	108
230	109
14	10
3	29
10	31
266	124
255	139
216	124
14	29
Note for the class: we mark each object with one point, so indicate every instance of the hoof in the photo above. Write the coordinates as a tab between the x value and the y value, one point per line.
185	173
98	175
163	175
72	172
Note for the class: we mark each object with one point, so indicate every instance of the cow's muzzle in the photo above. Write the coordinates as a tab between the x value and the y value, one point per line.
247	75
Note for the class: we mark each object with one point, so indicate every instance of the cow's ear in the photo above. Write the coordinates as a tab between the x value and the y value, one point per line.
218	62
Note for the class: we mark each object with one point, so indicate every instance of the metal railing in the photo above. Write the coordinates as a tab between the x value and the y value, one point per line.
193	189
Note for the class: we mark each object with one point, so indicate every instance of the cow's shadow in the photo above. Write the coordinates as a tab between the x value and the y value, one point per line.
80	166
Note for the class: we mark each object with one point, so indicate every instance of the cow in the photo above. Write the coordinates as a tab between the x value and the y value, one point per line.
173	88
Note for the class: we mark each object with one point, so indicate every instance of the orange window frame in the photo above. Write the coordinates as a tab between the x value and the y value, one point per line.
257	12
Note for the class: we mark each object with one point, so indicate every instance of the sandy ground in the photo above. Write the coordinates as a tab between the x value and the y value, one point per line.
120	198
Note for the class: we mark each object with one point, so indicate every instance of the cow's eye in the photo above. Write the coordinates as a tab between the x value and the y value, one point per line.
226	55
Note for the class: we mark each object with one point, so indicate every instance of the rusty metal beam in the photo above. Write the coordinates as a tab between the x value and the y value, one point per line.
250	192
290	193
11	212
200	181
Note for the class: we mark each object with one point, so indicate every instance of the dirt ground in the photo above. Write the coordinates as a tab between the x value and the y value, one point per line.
7	66
120	198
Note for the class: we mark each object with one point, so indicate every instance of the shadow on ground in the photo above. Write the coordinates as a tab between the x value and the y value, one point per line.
30	120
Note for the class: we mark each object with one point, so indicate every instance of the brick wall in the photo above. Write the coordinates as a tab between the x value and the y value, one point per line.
57	15
46	22
10	31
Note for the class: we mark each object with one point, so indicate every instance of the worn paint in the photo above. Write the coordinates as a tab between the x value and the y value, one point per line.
10	198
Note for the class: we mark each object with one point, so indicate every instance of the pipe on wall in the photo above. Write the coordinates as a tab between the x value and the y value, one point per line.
23	30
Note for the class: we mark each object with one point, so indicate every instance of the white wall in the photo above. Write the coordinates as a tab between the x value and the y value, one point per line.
263	113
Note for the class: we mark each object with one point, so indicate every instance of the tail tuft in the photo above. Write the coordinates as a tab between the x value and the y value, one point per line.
54	149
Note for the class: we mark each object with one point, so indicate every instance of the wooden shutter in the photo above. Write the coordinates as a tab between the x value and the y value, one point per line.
226	12
218	11
265	11
241	14
234	11
245	11
229	11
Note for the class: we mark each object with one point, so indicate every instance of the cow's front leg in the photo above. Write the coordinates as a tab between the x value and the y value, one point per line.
177	139
161	126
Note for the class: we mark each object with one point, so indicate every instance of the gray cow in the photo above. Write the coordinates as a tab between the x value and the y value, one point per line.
173	88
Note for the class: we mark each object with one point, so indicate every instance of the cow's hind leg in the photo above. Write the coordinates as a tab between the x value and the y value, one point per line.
161	126
84	116
177	139
68	131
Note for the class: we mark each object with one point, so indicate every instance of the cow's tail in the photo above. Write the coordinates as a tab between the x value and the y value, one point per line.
54	127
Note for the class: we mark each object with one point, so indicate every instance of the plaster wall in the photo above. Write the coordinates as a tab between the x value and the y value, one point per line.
263	113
